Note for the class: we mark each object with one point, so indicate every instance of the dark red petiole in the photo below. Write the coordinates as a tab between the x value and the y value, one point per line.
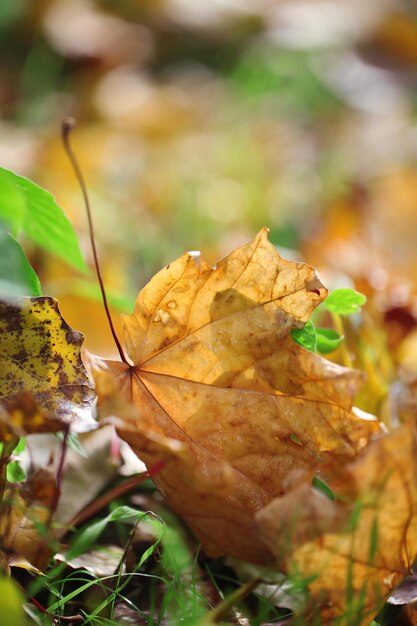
67	126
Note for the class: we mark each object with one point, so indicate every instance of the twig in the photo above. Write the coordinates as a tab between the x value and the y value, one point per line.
98	504
338	325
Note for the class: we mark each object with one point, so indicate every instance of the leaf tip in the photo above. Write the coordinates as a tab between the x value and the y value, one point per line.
263	234
195	256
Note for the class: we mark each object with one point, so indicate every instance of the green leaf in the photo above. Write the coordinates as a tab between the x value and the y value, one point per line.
344	301
17	276
328	340
306	336
27	207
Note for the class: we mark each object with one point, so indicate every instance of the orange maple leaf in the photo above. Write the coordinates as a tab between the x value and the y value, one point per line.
219	393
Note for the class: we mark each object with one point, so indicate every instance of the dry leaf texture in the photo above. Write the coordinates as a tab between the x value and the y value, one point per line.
23	416
25	516
40	355
221	400
354	551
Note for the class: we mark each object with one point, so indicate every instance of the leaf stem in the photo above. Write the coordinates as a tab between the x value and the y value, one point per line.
67	126
228	603
338	325
105	499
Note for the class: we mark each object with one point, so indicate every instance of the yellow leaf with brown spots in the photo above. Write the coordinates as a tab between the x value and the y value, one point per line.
40	356
356	549
224	408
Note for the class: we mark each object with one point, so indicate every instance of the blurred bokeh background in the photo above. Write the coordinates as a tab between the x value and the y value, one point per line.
201	121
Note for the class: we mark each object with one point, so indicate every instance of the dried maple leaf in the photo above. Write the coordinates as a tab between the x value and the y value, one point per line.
25	516
40	356
221	400
353	551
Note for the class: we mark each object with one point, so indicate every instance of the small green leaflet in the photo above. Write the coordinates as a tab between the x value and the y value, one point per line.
306	336
26	207
323	340
17	276
344	301
328	340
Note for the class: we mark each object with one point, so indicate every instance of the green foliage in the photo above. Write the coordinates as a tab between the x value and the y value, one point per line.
184	600
328	340
325	489
306	336
26	207
323	340
87	537
344	301
17	276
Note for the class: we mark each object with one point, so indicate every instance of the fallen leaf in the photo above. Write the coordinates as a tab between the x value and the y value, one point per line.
23	416
406	593
40	355
85	477
25	516
225	409
352	551
101	562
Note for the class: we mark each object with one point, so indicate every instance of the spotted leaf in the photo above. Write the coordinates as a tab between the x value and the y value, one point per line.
40	356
